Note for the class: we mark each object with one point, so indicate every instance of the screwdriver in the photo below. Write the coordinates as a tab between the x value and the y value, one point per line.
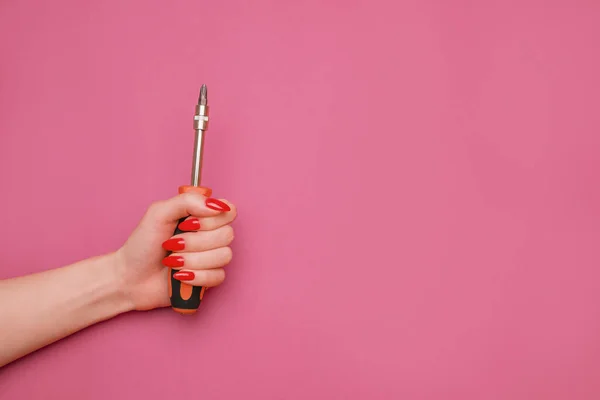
185	299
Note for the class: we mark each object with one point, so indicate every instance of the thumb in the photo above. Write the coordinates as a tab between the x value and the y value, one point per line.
187	204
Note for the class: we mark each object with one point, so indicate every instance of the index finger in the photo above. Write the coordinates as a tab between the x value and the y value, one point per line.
189	204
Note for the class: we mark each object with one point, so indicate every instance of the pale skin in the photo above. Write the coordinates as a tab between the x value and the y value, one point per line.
57	303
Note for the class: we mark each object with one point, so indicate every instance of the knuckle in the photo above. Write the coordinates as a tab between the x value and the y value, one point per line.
154	208
212	277
228	233
227	254
218	276
234	211
188	197
222	276
202	277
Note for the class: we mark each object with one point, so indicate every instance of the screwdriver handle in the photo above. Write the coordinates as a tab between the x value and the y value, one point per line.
185	299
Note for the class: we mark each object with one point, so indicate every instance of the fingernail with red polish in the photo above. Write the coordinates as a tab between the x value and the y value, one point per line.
173	261
217	204
192	224
174	244
184	275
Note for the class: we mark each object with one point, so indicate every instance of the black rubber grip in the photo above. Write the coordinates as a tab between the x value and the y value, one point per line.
176	300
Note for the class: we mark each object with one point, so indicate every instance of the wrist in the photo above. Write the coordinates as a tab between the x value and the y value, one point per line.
116	289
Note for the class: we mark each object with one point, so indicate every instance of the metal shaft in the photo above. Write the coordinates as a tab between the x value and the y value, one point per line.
200	125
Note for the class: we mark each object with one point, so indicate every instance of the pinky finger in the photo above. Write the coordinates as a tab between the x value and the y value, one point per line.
202	277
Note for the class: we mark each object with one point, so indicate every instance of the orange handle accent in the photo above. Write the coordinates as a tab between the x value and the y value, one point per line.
202	190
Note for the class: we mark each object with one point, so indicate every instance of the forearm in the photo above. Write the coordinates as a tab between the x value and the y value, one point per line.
39	309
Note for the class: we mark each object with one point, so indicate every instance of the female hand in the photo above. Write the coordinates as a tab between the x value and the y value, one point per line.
199	254
58	302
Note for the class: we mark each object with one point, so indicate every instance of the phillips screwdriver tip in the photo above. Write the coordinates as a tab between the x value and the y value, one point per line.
203	98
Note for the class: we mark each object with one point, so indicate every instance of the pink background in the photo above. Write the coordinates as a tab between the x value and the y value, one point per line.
417	184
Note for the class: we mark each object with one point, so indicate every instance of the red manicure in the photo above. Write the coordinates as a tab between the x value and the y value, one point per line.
173	261
216	204
192	224
174	244
184	275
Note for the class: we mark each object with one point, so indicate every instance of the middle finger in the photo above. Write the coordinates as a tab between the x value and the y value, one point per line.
211	259
200	241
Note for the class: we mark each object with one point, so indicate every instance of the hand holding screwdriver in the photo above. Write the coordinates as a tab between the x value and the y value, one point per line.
199	254
198	232
56	303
